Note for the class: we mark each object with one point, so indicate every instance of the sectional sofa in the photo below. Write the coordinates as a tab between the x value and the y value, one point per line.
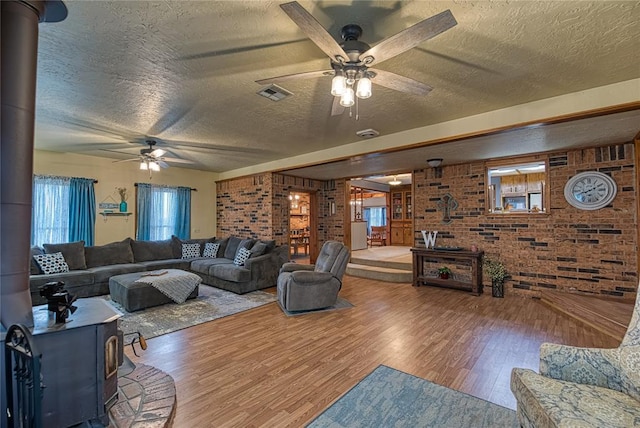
89	268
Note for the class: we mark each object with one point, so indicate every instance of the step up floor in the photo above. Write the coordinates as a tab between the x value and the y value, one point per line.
379	273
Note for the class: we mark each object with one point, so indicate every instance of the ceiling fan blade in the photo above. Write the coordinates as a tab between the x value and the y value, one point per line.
127	160
410	37
400	83
162	164
316	32
336	108
177	160
238	50
297	76
157	153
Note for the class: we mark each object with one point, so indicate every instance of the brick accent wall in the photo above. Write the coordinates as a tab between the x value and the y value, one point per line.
244	207
567	249
258	206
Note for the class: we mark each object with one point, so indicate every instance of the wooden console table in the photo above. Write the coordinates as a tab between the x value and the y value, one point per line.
474	259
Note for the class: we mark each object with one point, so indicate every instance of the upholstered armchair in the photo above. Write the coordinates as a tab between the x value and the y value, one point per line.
582	387
308	287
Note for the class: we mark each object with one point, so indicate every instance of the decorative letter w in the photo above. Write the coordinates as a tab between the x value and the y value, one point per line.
429	239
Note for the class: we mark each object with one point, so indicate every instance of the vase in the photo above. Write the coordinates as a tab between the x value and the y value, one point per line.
497	288
123	207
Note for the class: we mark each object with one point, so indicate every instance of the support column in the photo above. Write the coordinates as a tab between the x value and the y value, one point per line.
18	73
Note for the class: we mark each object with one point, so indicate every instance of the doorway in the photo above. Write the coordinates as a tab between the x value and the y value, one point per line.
300	224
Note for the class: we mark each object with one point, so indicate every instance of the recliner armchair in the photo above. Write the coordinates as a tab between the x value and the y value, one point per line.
585	387
309	287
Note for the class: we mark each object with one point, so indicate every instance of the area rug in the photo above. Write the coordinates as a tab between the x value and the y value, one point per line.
340	304
212	303
391	398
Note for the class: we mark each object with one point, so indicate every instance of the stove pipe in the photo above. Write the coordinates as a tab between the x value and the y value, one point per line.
18	63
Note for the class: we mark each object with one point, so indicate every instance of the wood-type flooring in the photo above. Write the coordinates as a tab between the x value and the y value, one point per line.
261	368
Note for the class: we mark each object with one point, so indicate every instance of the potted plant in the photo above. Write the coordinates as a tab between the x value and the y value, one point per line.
498	273
444	272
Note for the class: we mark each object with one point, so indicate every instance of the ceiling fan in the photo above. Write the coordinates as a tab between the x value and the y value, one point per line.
351	60
152	159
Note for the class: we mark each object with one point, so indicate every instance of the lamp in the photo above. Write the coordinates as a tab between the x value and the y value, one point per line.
338	84
364	88
395	181
347	99
351	81
435	162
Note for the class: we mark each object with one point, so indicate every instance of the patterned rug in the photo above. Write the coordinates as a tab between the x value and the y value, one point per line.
212	303
340	304
391	398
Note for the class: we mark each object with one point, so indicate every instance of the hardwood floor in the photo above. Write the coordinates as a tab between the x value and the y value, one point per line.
262	368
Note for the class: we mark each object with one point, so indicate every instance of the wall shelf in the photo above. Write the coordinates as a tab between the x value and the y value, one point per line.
116	214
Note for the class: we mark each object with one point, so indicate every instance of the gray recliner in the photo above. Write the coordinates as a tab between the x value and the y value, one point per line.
309	287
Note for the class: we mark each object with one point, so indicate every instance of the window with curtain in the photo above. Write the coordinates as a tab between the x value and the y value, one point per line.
63	210
163	211
375	216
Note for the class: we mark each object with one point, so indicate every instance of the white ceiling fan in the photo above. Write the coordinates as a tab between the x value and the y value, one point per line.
351	59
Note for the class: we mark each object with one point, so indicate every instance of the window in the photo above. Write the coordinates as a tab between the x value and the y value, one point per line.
50	212
63	210
163	211
517	187
375	216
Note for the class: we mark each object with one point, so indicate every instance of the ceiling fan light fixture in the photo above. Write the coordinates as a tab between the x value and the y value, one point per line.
144	166
347	99
338	85
153	166
364	88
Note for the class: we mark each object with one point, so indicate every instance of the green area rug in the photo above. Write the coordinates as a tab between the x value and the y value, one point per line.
391	398
212	303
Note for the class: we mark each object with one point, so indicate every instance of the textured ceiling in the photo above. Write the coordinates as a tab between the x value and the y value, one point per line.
114	72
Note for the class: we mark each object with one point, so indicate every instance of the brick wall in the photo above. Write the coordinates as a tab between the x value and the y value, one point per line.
567	249
244	207
258	206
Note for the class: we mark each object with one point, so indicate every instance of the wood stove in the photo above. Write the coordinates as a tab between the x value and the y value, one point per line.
79	363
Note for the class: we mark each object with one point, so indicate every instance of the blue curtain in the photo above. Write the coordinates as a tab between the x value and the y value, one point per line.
82	211
50	210
143	210
183	215
163	211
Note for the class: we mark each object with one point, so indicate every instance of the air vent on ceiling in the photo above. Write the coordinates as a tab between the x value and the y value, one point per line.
367	133
274	93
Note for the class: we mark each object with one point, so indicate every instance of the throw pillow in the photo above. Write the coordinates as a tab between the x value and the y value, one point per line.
34	269
211	250
73	253
242	256
190	251
114	253
51	263
258	249
232	247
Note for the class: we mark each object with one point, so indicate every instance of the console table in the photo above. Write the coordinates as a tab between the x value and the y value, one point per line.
424	255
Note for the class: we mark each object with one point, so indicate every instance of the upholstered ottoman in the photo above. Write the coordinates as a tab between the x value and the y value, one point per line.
135	296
